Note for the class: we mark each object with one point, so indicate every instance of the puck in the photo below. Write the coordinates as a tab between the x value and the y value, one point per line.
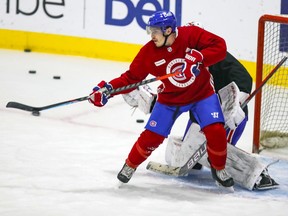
32	71
140	121
36	113
27	50
56	77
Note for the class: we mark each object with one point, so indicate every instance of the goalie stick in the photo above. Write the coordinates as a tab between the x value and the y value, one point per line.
28	108
199	153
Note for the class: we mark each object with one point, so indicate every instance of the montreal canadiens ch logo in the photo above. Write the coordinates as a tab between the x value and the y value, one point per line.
179	80
153	123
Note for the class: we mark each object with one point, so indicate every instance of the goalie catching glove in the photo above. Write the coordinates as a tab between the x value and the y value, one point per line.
142	97
230	104
99	96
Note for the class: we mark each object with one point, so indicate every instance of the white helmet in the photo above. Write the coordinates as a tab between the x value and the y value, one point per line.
195	23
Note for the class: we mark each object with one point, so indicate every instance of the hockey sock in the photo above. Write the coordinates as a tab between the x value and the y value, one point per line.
144	146
216	145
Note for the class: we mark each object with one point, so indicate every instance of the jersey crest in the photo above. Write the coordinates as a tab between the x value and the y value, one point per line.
180	80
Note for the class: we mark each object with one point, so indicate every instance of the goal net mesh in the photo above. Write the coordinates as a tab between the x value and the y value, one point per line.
274	97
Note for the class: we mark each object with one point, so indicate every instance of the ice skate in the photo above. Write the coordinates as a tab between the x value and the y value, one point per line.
125	173
222	178
265	182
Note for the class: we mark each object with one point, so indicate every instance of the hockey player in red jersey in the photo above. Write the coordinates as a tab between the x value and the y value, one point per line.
228	74
188	49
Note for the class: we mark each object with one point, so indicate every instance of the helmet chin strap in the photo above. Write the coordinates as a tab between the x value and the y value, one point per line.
166	37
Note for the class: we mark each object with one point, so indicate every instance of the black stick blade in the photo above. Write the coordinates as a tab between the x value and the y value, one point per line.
20	106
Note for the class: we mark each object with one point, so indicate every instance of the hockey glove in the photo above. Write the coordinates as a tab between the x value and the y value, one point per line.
230	104
142	97
243	96
193	59
99	96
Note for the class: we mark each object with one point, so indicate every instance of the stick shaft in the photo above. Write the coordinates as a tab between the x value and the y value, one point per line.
17	105
144	82
268	77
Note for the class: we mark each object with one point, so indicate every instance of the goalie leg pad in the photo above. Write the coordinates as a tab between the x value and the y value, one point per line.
245	168
178	152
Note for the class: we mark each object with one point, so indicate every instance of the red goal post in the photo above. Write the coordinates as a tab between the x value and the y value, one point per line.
271	103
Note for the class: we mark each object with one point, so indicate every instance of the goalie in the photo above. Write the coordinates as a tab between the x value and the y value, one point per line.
233	84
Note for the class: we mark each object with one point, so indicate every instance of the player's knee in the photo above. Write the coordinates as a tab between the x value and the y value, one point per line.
215	134
149	140
213	129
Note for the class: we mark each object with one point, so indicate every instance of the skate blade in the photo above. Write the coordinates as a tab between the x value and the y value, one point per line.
225	189
267	188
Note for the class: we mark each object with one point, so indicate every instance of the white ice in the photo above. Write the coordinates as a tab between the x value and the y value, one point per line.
65	162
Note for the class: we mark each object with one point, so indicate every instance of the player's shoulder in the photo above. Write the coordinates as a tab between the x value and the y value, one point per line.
188	31
148	47
148	50
188	28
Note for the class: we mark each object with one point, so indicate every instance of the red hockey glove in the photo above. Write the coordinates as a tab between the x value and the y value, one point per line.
99	96
193	59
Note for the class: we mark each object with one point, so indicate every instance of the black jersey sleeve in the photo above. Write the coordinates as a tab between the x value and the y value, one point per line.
228	70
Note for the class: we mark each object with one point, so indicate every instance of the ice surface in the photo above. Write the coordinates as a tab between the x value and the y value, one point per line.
65	161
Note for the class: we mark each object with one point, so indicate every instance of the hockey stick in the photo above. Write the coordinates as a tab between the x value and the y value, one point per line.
199	153
28	108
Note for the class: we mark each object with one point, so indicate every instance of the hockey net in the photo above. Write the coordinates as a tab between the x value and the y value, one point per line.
271	104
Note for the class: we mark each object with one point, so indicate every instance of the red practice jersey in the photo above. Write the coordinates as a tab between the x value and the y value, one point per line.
177	90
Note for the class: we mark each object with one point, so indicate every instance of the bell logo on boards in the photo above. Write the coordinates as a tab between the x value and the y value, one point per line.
30	8
138	10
